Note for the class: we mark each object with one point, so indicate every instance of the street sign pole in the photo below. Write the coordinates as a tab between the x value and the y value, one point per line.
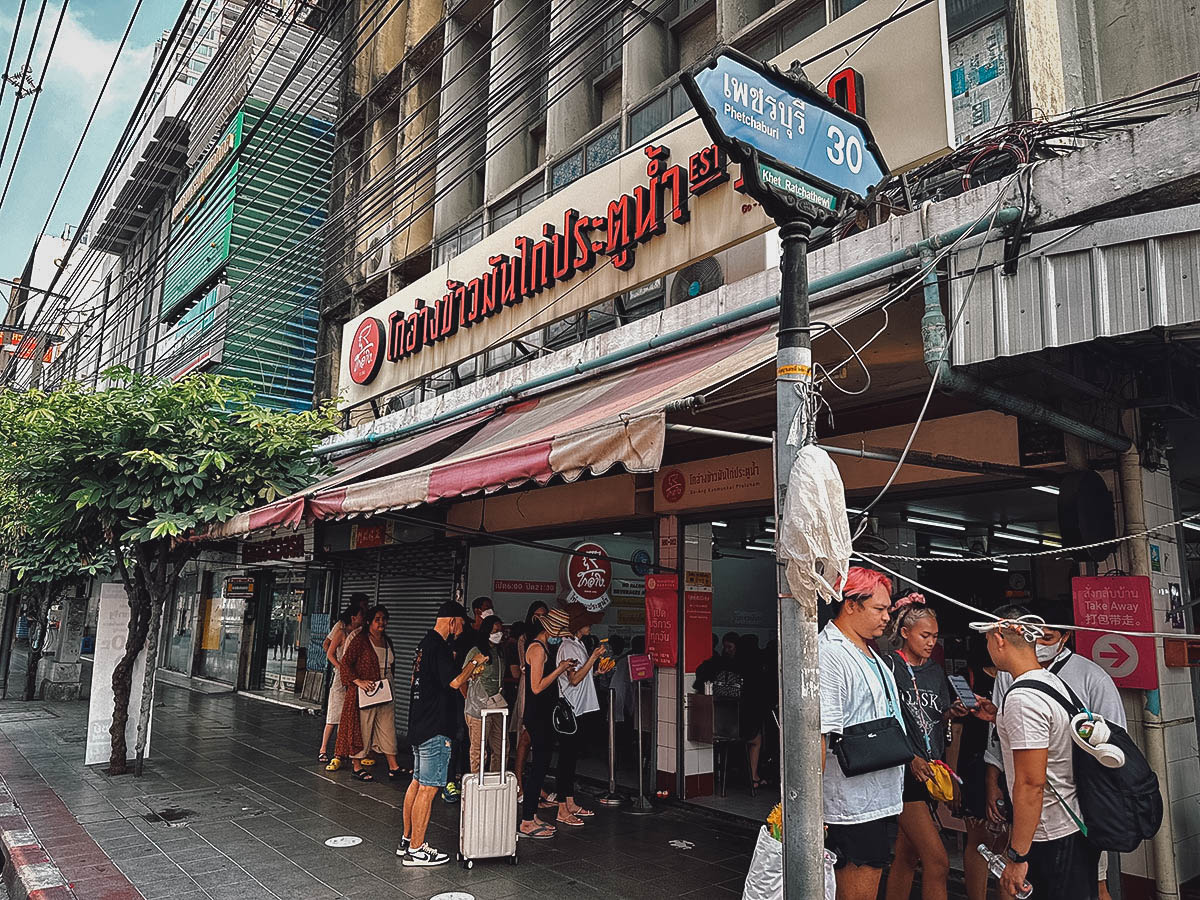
799	684
806	160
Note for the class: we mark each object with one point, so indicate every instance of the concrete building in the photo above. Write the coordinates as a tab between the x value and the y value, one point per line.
212	210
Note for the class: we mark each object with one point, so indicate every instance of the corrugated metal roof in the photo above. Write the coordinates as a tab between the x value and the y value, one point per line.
1117	277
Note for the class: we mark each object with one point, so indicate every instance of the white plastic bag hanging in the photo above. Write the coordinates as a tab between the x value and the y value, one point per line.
764	881
814	536
765	878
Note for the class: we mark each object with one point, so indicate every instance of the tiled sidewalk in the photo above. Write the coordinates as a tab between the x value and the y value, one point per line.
233	804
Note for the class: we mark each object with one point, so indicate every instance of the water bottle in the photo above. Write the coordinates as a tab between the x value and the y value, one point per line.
996	864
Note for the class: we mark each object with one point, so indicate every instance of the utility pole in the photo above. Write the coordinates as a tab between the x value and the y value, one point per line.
806	160
799	684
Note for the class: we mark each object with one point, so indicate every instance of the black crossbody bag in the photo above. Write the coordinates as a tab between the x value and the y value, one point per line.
875	745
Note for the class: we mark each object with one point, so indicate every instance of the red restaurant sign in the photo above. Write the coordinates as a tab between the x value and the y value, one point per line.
565	249
662	620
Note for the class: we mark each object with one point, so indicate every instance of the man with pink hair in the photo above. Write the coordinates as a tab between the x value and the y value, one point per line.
861	810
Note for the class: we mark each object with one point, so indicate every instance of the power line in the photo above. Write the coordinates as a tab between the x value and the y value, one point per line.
12	47
87	125
37	27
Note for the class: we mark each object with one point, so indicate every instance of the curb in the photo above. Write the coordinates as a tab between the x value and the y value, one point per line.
29	873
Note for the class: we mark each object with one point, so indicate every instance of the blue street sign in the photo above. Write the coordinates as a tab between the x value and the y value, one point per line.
792	124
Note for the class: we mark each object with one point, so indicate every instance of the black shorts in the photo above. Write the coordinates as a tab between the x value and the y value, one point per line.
865	844
914	791
1064	869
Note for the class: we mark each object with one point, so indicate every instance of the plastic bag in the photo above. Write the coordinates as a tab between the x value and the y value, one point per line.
814	536
764	881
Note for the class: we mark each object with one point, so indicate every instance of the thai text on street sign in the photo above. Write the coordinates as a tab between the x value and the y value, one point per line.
795	140
1122	603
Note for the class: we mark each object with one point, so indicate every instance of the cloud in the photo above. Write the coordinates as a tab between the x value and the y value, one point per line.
81	57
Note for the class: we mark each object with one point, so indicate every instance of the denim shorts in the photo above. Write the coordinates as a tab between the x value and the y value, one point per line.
431	761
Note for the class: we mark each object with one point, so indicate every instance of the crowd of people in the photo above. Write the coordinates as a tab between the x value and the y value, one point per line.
901	745
543	671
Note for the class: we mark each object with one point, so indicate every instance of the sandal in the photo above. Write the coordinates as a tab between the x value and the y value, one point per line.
538	832
323	758
334	765
363	775
393	774
367	761
571	820
580	812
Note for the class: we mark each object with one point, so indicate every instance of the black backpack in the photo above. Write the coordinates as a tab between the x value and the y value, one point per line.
1121	807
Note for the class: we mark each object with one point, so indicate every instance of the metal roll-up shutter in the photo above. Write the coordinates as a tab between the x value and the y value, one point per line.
360	574
413	582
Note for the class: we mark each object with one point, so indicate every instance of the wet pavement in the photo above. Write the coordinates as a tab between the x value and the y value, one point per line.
233	803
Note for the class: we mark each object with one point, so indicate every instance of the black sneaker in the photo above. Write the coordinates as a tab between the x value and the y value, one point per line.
404	845
425	856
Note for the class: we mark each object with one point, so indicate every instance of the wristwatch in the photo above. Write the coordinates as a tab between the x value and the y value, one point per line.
1015	856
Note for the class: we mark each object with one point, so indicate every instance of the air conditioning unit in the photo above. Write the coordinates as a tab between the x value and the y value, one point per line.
698	278
378	256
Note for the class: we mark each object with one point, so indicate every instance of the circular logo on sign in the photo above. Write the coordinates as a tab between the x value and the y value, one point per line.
640	562
589	575
366	350
1117	654
673	485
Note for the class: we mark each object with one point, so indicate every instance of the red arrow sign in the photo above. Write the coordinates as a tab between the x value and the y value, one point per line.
1117	654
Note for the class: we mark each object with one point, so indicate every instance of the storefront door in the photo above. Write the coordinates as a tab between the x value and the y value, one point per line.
181	624
220	633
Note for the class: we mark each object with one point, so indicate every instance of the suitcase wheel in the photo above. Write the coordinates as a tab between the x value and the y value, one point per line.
469	864
512	860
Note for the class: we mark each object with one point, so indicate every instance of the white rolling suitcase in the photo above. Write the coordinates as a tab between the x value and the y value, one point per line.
488	825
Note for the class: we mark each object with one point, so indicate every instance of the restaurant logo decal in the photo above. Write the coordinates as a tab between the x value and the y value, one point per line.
589	576
565	249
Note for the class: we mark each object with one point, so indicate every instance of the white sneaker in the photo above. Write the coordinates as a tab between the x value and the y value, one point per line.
404	845
425	856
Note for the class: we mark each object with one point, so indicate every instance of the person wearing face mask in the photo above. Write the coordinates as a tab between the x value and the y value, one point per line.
1093	686
541	693
483	692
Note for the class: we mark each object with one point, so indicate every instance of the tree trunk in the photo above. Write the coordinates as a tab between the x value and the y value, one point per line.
122	679
143	728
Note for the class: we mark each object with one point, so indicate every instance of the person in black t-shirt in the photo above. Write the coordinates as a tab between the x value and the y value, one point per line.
433	719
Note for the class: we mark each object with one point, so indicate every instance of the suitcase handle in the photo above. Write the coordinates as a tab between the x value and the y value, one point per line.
483	714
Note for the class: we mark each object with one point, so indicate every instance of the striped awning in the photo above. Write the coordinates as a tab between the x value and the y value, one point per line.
592	426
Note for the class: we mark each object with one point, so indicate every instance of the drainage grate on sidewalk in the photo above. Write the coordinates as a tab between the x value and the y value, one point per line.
24	715
181	808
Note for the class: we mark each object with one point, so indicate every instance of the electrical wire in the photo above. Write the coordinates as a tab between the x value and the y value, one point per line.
37	95
12	118
877	28
87	126
12	47
281	261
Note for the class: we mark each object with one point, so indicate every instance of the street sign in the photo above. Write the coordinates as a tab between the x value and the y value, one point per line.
791	139
1122	603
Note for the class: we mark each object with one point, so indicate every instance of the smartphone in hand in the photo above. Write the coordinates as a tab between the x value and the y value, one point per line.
963	689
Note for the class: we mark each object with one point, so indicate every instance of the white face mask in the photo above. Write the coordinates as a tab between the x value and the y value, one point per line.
496	637
1047	652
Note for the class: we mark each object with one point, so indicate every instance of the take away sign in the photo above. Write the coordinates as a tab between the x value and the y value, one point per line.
1122	603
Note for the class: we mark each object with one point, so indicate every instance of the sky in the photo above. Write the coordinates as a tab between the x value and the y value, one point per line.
86	45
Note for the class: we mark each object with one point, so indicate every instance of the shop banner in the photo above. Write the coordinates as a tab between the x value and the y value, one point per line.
1122	603
112	629
697	628
662	620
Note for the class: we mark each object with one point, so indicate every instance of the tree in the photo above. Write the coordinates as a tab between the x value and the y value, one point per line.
46	560
140	468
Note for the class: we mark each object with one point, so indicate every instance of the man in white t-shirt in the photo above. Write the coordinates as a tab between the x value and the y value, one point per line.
1092	685
1046	847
